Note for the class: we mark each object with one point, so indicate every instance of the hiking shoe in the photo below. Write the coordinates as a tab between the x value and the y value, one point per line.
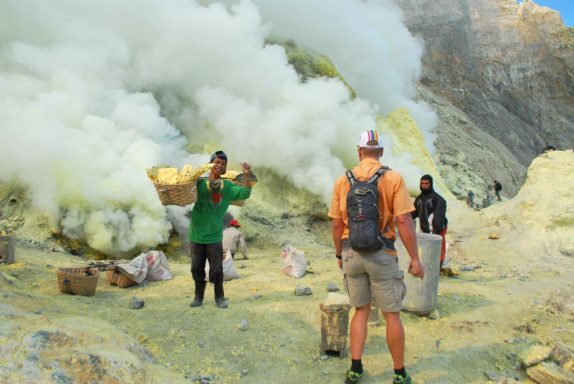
221	303
352	377
398	379
448	272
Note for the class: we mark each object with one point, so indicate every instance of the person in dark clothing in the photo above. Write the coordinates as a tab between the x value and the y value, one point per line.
548	148
430	208
497	189
470	199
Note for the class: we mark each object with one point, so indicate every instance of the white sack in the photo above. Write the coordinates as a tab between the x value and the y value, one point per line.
229	271
157	266
135	269
294	262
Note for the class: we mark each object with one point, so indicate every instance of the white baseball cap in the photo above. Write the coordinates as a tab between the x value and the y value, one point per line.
370	135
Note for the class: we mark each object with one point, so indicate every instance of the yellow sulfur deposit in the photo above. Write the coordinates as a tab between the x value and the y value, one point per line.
164	174
185	176
167	176
197	172
230	175
237	177
170	175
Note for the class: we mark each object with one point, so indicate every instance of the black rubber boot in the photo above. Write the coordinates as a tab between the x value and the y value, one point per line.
199	292
219	296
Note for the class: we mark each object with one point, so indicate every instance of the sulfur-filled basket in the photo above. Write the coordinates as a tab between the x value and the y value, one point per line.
176	194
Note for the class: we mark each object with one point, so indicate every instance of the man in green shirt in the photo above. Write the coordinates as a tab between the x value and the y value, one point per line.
214	195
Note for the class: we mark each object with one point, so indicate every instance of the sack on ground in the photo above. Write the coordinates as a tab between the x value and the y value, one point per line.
229	270
136	269
157	266
294	262
152	266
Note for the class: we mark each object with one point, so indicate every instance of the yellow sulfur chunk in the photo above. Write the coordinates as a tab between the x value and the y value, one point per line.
186	175
151	174
197	172
230	175
167	175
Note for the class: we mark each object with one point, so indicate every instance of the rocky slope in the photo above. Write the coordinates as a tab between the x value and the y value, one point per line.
509	308
507	69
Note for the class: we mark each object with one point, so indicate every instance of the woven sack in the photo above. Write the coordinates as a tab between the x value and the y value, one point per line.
177	194
78	281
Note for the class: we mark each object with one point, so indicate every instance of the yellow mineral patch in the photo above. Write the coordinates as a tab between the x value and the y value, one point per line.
170	175
167	176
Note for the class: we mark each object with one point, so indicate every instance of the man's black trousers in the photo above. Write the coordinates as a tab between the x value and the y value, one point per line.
211	252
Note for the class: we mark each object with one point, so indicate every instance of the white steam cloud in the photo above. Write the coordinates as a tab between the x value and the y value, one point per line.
369	44
91	93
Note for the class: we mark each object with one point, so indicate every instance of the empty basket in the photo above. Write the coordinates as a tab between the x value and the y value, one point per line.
78	281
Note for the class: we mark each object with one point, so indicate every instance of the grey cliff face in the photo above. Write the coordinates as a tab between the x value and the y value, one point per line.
507	68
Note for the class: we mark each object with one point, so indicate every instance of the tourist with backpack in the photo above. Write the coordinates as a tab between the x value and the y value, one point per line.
365	202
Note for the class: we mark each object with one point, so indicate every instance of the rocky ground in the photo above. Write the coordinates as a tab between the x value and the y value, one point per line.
502	305
508	316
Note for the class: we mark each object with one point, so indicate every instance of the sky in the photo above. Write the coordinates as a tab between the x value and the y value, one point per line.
565	7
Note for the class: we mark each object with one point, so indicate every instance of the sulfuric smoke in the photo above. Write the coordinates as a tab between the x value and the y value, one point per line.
91	93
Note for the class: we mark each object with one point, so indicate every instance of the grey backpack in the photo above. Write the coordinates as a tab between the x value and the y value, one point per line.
363	212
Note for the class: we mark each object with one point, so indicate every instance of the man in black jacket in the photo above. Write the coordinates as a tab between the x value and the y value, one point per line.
430	208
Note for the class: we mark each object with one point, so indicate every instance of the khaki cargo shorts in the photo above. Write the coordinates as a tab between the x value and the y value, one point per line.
375	275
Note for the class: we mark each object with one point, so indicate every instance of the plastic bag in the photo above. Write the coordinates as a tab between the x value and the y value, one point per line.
157	266
151	266
229	270
294	262
136	269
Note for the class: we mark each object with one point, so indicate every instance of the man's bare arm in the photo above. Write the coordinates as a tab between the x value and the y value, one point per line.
246	169
337	231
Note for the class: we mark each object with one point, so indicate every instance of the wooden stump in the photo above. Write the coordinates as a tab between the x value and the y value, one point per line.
7	252
334	328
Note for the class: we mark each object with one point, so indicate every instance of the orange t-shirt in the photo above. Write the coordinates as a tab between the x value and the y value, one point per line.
394	198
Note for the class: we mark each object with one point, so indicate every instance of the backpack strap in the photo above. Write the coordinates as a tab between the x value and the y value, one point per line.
373	180
351	177
380	172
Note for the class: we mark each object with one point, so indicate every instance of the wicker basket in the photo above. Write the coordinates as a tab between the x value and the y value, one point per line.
115	277
177	194
78	281
239	181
